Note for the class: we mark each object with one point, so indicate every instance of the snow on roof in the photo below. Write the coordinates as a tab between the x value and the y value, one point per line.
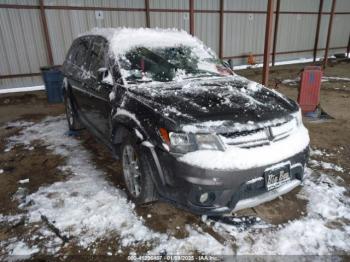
124	39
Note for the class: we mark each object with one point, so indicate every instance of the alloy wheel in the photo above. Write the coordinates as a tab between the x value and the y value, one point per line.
131	171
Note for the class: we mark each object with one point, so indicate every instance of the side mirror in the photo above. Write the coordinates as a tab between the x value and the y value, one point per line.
104	76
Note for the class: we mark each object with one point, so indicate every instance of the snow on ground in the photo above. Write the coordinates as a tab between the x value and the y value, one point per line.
326	165
21	249
315	152
325	228
296	81
335	78
301	60
86	206
21	89
287	62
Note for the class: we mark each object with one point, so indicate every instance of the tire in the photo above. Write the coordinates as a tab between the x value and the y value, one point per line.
140	189
72	118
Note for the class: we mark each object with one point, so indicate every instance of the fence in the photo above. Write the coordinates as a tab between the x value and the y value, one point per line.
34	33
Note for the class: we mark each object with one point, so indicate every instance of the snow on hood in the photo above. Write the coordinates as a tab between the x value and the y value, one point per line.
124	39
232	98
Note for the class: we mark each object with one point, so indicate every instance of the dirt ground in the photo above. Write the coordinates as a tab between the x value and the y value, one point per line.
40	165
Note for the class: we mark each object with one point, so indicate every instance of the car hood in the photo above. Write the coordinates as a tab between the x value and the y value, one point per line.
233	99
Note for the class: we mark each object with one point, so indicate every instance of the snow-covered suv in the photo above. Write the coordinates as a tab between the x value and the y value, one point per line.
186	128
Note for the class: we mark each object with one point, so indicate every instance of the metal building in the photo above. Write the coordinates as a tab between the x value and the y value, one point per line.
35	33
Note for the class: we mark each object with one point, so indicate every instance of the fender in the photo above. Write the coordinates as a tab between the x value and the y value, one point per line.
124	122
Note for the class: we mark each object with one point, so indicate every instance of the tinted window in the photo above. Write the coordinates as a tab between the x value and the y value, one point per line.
76	58
73	49
79	57
97	55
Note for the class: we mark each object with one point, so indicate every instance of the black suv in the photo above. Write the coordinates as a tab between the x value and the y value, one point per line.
186	128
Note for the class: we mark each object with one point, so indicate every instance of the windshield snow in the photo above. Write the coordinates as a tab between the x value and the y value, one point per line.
169	64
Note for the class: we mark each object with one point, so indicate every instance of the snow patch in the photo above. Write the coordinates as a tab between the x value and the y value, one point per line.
254	86
195	241
108	79
326	165
223	126
313	234
147	144
335	78
86	206
124	112
22	89
315	152
23	181
296	81
138	134
111	96
21	249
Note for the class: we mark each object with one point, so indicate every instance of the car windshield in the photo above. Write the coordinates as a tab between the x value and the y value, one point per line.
169	64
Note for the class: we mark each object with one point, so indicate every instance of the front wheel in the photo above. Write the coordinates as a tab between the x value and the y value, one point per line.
137	174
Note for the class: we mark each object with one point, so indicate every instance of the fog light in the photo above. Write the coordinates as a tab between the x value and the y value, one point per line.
204	197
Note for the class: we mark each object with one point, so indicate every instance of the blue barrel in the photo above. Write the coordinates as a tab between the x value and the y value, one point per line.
53	79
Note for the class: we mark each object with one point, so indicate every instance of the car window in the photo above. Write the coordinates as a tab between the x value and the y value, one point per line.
72	51
79	57
77	62
97	55
68	65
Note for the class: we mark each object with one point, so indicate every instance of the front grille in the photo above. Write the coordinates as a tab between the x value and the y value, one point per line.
259	136
282	130
250	138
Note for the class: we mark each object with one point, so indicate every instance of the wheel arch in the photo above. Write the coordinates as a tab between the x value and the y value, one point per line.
122	126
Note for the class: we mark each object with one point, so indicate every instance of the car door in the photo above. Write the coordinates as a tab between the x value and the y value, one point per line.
99	108
76	66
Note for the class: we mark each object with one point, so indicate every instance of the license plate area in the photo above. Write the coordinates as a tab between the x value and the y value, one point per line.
276	177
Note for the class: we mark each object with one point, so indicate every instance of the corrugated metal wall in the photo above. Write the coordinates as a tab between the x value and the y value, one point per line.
243	33
65	25
23	47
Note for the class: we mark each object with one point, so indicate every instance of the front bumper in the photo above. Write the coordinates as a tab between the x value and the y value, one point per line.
228	190
267	196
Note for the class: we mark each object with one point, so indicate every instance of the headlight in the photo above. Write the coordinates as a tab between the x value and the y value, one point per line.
184	143
298	117
209	142
181	143
178	139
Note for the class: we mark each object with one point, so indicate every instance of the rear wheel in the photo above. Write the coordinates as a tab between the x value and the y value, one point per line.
72	119
137	174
